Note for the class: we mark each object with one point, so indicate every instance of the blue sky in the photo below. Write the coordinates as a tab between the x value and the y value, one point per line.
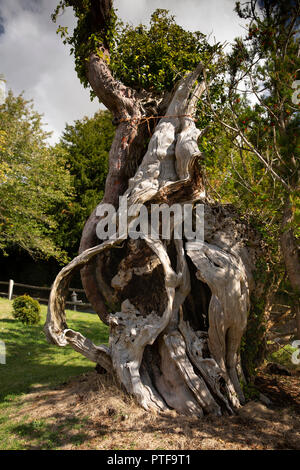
34	60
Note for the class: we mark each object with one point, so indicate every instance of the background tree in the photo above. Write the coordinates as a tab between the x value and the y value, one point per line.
33	182
262	122
86	146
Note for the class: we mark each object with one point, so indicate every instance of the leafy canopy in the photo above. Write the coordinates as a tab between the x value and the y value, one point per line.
152	58
33	181
266	63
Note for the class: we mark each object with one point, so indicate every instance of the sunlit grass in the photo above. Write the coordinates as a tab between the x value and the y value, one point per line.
31	362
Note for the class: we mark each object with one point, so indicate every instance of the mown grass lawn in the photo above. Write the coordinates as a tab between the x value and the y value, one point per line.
31	362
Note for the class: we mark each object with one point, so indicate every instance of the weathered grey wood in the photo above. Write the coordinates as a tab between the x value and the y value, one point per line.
131	333
207	367
154	352
226	276
177	349
172	386
98	354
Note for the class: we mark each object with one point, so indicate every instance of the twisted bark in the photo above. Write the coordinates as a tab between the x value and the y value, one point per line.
167	348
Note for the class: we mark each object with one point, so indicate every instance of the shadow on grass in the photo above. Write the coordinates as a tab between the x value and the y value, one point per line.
31	360
42	435
47	376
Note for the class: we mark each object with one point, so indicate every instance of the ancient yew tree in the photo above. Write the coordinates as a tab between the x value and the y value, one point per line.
177	308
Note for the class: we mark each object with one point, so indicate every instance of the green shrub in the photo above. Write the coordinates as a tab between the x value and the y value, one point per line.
26	309
283	356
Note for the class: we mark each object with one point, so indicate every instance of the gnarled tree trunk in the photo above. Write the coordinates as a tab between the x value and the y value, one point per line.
176	309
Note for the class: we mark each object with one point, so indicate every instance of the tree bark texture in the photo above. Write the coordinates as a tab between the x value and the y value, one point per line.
176	309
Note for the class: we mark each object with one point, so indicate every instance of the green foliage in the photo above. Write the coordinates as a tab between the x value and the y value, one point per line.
86	36
26	309
85	146
31	360
253	347
250	391
238	177
33	182
265	63
152	58
270	64
32	363
283	356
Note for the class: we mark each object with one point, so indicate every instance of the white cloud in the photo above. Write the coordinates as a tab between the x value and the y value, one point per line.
208	16
33	58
